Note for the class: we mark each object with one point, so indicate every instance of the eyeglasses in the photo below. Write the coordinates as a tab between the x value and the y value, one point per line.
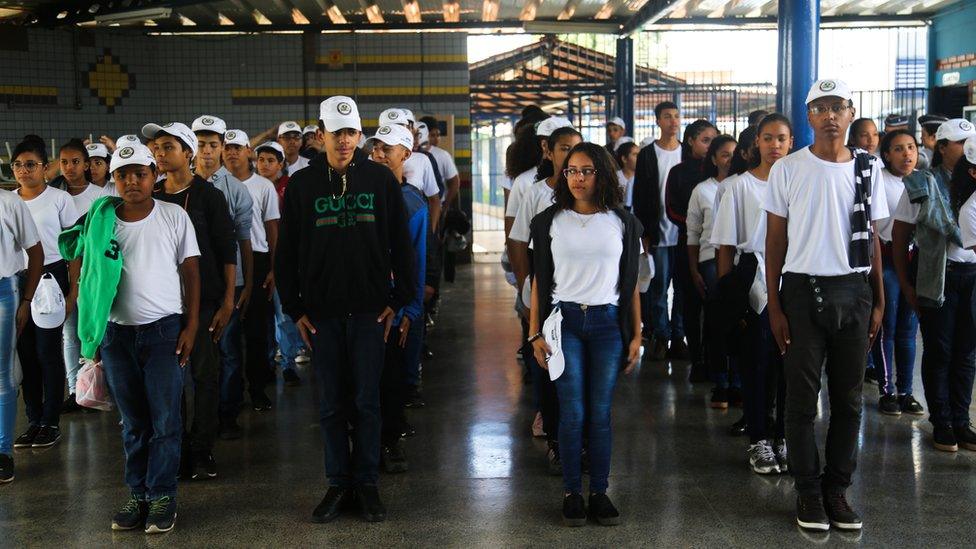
585	172
836	108
28	166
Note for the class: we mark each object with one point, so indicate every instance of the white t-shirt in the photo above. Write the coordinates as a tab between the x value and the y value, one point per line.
522	183
817	199
907	212
109	189
265	200
84	199
586	259
967	223
628	188
665	161
701	218
445	163
17	233
419	172
536	199
152	250
739	213
297	165
53	211
893	190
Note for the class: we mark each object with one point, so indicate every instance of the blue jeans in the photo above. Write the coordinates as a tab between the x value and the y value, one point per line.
285	333
896	346
72	350
348	355
9	300
414	350
231	363
593	348
146	381
664	257
949	349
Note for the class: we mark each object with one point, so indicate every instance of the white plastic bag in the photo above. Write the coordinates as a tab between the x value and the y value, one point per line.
91	390
645	272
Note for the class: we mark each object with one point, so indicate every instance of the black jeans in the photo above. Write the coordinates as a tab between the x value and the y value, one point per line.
829	319
393	384
42	360
259	370
763	382
545	393
201	417
692	303
949	348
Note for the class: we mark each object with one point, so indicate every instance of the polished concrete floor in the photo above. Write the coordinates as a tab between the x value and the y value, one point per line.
477	478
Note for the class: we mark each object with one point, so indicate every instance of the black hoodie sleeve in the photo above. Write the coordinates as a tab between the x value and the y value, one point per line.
401	247
286	260
647	194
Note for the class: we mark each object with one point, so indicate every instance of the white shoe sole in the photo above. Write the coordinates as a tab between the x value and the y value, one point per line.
6	480
118	528
819	526
845	525
765	470
153	529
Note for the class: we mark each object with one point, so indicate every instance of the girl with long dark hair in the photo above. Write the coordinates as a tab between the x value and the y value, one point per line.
864	135
626	157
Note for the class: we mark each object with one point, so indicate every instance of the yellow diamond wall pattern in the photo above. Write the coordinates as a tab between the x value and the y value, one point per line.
109	81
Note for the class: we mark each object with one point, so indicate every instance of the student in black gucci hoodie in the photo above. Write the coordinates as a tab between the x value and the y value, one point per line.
343	233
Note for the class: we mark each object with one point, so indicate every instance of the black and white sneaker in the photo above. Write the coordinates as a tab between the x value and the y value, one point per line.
762	459
6	468
966	437
414	398
910	406
944	438
888	404
782	459
394	458
260	402
132	515
204	467
810	513
26	440
48	435
839	511
162	515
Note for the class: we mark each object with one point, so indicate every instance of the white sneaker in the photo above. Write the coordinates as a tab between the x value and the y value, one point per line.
302	357
762	459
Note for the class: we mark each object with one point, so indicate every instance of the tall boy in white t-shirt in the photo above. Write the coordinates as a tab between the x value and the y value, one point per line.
822	203
150	335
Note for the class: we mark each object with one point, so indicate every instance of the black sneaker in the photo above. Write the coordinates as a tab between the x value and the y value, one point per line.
204	467
394	458
839	511
889	405
810	513
260	402
738	428
555	464
70	404
414	398
47	436
334	502
720	398
230	430
26	440
132	515
944	438
910	406
966	437
601	509
291	378
6	468
678	349
369	502
735	397
162	515
574	510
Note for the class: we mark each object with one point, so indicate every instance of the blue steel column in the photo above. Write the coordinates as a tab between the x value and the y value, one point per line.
624	82
799	28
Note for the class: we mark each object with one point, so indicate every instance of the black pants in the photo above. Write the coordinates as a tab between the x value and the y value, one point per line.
392	390
201	417
42	360
763	382
258	368
829	320
691	303
949	348
545	392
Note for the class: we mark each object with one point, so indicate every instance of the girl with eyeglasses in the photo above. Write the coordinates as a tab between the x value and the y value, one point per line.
585	264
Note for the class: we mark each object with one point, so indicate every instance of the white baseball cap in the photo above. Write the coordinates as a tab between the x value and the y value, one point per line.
617	121
175	129
311	128
829	87
137	154
969	149
207	123
47	307
98	150
237	137
288	127
551	124
621	141
393	116
274	146
423	134
338	113
409	114
127	139
393	134
956	129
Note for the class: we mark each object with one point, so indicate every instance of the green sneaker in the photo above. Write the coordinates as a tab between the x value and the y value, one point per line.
132	515
162	515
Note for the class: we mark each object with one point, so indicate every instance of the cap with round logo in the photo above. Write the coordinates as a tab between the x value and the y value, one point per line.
829	87
311	128
338	113
423	134
97	150
617	121
551	124
173	129
129	155
208	123
289	127
48	306
236	137
272	147
392	134
956	129
393	116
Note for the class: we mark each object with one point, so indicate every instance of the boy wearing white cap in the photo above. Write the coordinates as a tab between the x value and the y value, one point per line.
175	145
616	128
152	326
449	171
290	139
98	161
418	169
345	206
822	203
310	143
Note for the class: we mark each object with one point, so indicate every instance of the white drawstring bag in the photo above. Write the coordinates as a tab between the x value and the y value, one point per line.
645	272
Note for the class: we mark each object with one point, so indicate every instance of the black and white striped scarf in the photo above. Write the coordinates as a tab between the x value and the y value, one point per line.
862	234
